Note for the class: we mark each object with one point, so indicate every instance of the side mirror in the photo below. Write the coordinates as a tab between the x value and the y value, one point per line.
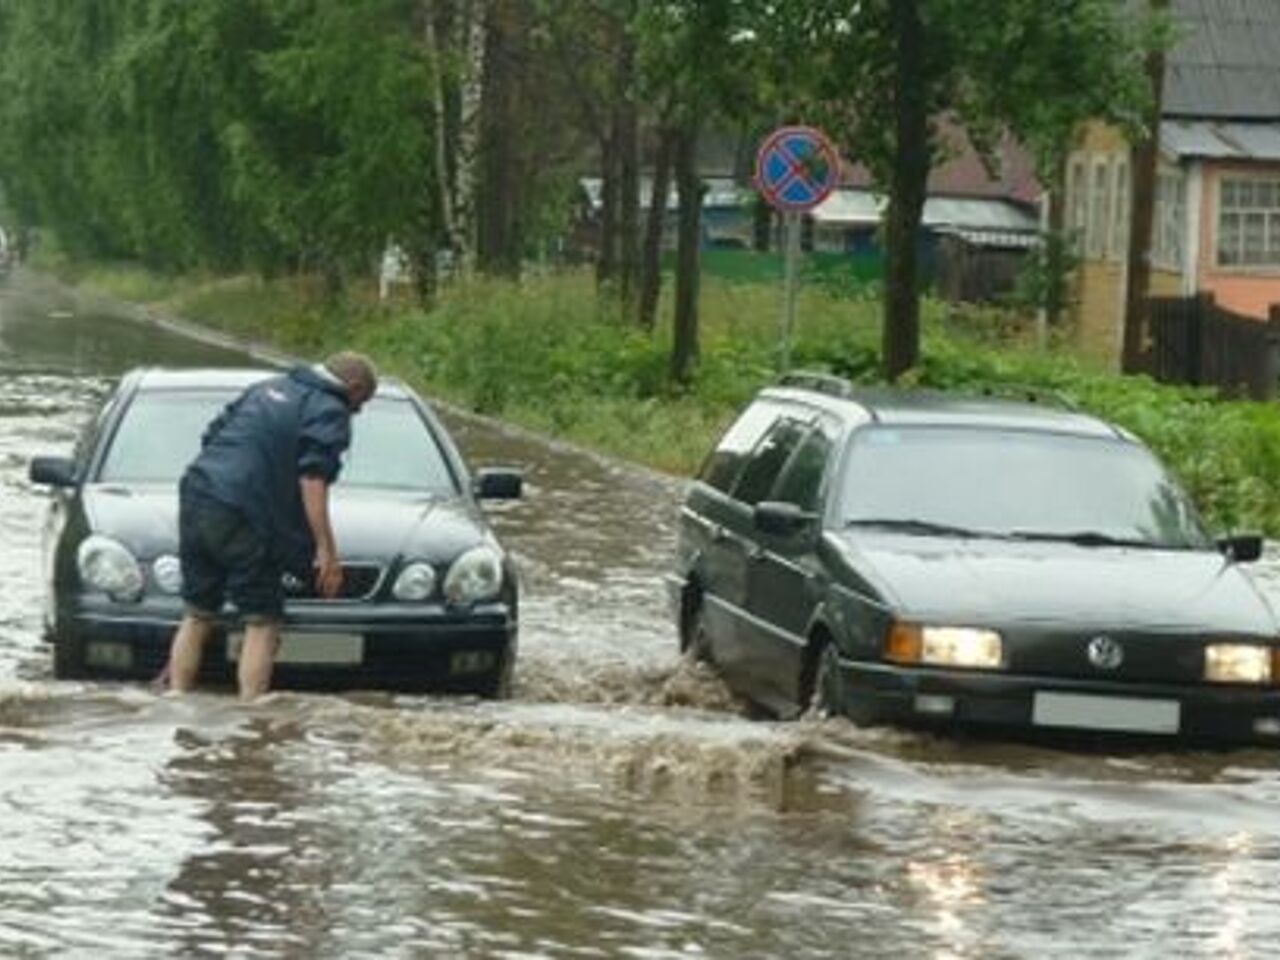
52	471
1244	548
499	483
781	519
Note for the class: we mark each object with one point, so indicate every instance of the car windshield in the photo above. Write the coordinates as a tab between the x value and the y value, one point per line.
392	448
962	481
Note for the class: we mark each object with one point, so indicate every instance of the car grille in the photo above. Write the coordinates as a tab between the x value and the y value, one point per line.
359	581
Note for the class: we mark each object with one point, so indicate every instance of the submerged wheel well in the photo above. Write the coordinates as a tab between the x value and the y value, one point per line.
819	636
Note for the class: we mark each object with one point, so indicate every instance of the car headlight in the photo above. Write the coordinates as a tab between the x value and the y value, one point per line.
944	646
107	565
417	581
1239	663
476	575
166	572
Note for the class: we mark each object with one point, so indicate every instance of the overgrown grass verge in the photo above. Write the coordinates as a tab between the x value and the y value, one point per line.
548	354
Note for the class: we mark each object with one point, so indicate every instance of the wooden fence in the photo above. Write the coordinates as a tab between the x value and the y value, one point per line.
1195	341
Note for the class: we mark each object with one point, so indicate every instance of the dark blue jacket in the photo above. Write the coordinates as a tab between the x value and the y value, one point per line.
256	450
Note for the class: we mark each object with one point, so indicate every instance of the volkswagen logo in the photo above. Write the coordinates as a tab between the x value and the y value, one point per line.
1105	653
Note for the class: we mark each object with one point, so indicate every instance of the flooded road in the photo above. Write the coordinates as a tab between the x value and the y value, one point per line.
619	806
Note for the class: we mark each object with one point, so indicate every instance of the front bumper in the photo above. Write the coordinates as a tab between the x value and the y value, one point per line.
408	647
875	692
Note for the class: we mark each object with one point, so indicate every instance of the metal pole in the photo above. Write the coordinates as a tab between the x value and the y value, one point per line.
791	275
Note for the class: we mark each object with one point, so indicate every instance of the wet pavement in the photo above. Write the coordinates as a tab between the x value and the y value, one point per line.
620	805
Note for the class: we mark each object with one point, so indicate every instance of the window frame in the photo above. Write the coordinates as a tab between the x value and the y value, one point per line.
1270	226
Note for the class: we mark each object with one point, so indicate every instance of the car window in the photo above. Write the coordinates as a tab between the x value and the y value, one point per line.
725	463
1010	481
391	445
768	459
801	480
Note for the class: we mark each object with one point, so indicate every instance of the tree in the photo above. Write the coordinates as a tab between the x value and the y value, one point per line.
883	73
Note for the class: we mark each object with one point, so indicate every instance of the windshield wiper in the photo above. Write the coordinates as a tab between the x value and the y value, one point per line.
1090	538
922	527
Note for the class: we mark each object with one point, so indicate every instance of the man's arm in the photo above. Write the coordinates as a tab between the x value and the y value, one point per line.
315	502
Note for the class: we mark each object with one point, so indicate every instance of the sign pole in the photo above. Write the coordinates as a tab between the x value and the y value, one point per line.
791	281
796	170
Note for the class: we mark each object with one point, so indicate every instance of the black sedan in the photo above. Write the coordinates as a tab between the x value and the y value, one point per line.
982	563
429	596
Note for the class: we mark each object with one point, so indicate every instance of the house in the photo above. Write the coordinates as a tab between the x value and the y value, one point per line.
1216	223
980	218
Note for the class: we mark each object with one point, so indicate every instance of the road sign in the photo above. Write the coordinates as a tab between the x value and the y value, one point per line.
796	168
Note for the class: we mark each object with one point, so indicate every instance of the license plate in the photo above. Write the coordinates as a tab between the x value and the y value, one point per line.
325	649
1121	714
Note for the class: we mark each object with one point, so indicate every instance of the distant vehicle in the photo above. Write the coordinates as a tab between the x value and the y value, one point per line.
933	560
429	597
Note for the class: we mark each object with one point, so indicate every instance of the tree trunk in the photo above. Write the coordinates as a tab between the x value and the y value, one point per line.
498	242
628	178
1143	193
909	182
761	224
651	269
442	187
471	32
607	254
684	350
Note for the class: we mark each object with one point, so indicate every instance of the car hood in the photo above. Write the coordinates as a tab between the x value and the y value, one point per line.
367	526
989	581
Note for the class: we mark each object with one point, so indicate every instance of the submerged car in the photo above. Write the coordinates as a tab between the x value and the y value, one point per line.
429	597
974	563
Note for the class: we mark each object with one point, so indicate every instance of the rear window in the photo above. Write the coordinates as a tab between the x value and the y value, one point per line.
392	447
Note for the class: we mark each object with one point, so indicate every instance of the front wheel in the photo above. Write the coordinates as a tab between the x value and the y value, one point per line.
695	641
827	697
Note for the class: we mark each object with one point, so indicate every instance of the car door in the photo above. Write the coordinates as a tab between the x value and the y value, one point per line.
708	552
748	640
784	583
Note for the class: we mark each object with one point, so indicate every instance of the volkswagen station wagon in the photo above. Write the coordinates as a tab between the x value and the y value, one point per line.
429	596
984	563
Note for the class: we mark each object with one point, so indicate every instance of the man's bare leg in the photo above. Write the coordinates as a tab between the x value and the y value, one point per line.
257	657
186	651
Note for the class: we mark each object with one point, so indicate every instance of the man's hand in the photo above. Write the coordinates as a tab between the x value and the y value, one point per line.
328	574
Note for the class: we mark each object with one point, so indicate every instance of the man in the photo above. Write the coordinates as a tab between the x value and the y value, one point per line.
254	505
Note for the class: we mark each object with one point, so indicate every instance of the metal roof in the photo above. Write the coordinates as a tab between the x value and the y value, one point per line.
1225	63
1215	140
720	192
945	214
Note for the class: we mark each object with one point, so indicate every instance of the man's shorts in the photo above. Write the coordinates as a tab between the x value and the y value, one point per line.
223	557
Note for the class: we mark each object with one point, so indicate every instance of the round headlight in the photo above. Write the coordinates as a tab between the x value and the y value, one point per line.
476	575
417	581
167	573
107	565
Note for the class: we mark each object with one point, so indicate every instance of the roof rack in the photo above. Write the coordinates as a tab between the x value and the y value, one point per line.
827	383
1027	394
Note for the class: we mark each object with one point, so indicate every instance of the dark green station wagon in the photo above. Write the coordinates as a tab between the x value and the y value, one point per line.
982	562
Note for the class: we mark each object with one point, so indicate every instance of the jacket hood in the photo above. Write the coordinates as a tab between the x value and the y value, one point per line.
994	582
312	377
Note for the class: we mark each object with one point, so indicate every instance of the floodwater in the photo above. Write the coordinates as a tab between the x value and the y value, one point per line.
621	805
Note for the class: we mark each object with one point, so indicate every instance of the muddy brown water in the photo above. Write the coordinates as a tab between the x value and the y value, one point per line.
621	805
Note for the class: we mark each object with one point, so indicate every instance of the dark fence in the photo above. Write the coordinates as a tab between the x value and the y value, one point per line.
1197	342
967	273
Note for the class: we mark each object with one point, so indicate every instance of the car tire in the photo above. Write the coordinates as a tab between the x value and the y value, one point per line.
827	697
68	657
695	641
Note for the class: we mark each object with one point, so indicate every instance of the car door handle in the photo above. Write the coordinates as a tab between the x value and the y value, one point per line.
718	533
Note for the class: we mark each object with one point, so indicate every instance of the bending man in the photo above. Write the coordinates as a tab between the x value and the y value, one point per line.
254	504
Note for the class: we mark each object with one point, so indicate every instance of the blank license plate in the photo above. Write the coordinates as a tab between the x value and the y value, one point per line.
311	648
1087	712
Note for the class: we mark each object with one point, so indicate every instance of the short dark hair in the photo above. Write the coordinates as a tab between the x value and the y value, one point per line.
354	369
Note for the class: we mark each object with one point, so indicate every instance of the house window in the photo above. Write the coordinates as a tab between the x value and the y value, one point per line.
1098	234
1249	222
1078	191
1120	211
1169	221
